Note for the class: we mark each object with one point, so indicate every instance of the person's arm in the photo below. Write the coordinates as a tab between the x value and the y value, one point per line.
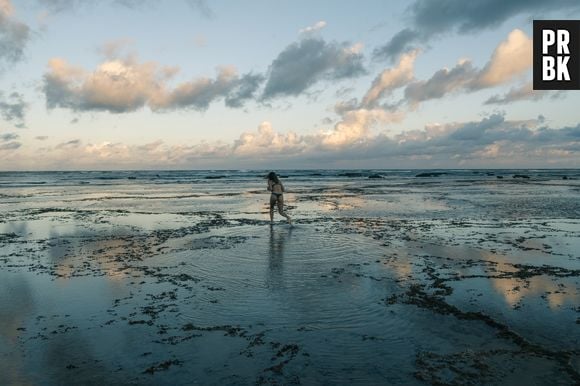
269	185
282	186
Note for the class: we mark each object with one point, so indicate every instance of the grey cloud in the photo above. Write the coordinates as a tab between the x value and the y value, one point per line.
524	92
467	141
8	137
469	16
430	19
69	144
14	35
474	131
7	141
441	83
244	90
344	91
343	107
569	133
202	7
308	61
57	93
10	146
198	94
401	42
13	108
41	137
473	136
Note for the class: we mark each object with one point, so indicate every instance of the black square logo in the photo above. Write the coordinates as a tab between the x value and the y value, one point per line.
556	54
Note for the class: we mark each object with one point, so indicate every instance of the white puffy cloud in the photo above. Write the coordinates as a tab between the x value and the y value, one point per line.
391	79
266	142
115	86
356	126
511	59
120	86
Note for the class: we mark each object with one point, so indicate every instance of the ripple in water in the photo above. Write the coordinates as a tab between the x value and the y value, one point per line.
286	278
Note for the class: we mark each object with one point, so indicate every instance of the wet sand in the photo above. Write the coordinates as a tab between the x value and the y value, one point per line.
390	281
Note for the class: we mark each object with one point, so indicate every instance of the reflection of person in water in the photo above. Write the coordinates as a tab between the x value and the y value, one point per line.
277	196
278	237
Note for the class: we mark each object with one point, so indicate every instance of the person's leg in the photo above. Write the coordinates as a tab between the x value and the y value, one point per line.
281	209
272	204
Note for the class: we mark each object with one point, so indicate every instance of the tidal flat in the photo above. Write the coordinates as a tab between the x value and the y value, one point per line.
164	278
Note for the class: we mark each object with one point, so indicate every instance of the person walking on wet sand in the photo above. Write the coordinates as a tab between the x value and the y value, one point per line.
277	197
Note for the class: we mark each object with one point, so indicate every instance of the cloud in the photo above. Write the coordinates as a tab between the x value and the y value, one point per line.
14	35
474	131
244	90
391	79
75	143
441	83
115	48
356	125
266	142
41	137
493	141
510	60
358	119
198	93
202	7
8	137
125	85
115	86
310	60
6	8
10	146
8	141
401	42
313	28
523	92
13	109
431	19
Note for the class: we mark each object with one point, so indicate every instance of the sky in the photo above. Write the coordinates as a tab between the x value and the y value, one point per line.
200	84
